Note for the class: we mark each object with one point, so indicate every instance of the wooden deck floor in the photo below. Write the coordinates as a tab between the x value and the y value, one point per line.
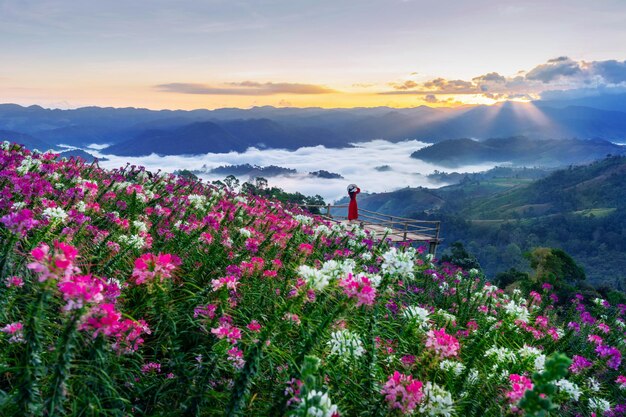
395	235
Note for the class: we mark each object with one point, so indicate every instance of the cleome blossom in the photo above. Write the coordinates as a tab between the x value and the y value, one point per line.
56	265
359	287
443	344
150	267
402	392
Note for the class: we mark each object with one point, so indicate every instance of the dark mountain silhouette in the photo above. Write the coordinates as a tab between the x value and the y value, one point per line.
291	128
518	150
223	137
196	138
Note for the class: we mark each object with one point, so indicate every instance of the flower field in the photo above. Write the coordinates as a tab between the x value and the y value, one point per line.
128	293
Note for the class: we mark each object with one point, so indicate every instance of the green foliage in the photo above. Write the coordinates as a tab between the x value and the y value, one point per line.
538	402
457	255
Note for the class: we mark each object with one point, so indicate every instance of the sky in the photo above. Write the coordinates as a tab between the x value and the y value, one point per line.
181	54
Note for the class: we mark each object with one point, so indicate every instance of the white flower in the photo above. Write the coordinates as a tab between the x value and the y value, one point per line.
317	404
399	263
598	301
302	219
455	367
419	314
472	376
572	390
245	232
81	207
321	230
28	164
134	241
197	201
437	401
345	344
366	256
448	317
599	404
314	278
56	213
519	312
501	354
141	226
18	205
593	384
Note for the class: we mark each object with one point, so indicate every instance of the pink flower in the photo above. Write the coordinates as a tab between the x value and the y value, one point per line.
402	392
595	339
621	380
79	290
235	356
443	344
56	265
16	330
306	248
254	326
227	331
14	281
150	267
358	287
151	367
519	385
208	310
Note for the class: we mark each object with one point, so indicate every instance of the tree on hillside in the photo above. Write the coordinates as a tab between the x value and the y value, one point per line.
458	256
555	266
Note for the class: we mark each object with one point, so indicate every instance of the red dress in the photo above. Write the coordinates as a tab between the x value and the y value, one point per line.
353	210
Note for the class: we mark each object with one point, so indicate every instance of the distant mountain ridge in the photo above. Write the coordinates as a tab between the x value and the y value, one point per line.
518	150
174	132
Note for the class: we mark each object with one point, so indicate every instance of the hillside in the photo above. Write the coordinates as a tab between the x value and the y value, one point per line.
519	150
501	214
595	186
128	293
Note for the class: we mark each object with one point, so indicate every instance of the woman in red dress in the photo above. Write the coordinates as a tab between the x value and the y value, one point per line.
353	210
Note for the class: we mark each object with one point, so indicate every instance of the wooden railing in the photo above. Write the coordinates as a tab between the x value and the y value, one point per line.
404	228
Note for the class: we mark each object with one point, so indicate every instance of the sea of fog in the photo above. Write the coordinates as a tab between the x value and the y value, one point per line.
357	165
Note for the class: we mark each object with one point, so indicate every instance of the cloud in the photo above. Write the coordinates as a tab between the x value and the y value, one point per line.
407	85
356	165
554	69
244	88
561	73
611	71
437	85
488	78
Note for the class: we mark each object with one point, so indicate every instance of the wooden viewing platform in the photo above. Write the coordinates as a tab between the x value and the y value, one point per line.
398	229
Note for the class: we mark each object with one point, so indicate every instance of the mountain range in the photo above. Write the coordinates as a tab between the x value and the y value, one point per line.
136	132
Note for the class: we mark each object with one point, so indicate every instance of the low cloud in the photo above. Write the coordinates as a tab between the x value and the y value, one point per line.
244	88
554	69
356	165
611	71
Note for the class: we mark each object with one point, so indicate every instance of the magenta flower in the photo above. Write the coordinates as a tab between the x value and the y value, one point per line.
151	367
150	267
359	287
80	290
20	222
402	392
16	330
443	344
56	265
579	363
519	385
14	281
